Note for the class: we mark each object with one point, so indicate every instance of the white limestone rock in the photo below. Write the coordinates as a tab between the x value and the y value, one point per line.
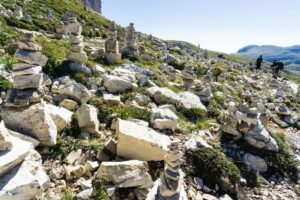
25	181
11	158
88	118
164	119
115	84
163	95
139	142
68	104
72	89
189	100
126	174
61	116
35	121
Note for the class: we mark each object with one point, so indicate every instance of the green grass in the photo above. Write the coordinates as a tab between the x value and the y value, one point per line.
67	194
8	61
205	124
5	85
107	113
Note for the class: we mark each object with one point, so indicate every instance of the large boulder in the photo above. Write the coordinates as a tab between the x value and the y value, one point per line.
11	158
88	118
139	142
164	119
72	89
115	84
163	95
189	100
40	121
126	174
25	181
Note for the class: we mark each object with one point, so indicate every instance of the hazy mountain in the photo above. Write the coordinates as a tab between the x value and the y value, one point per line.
290	56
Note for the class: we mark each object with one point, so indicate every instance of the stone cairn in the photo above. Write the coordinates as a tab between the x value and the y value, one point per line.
131	50
188	76
76	55
112	54
171	179
203	91
27	73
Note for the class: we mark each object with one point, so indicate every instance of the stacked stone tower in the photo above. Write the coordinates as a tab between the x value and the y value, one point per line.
27	73
77	56
171	180
112	53
188	76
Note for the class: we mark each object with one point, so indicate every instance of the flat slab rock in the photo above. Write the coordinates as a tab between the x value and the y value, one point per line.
25	181
139	142
11	158
125	174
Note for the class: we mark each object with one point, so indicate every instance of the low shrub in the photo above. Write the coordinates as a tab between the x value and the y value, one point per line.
211	165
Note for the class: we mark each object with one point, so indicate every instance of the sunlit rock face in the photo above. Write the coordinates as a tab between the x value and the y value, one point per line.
93	4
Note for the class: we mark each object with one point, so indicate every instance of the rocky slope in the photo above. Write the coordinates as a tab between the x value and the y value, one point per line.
130	116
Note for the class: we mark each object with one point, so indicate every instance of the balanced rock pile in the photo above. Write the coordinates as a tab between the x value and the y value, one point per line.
170	185
247	121
188	77
112	55
76	55
27	73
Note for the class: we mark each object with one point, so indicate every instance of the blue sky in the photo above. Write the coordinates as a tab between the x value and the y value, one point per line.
222	25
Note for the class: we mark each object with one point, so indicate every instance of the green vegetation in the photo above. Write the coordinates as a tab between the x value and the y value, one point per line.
94	24
56	51
180	65
67	194
211	165
5	85
99	187
218	70
194	114
205	124
8	61
108	113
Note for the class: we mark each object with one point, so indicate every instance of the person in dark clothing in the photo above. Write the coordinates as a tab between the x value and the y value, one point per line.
276	67
259	61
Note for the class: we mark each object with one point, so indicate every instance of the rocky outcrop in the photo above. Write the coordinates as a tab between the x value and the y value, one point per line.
95	5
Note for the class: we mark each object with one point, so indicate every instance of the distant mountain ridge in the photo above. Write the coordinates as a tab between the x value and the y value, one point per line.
290	56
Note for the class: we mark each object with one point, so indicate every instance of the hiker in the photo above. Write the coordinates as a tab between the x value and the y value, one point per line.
277	66
259	61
